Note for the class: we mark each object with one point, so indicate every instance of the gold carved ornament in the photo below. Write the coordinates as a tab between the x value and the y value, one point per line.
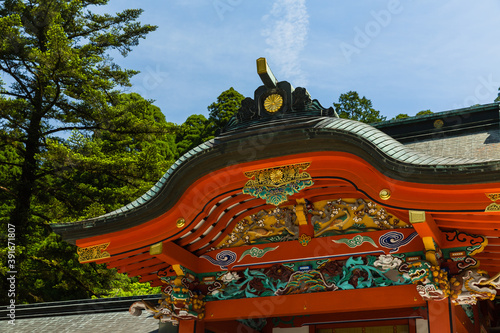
92	253
277	183
493	207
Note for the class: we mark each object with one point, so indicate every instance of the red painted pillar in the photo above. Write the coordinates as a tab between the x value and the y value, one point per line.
441	316
191	326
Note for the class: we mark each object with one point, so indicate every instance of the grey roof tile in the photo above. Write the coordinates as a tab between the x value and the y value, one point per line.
84	323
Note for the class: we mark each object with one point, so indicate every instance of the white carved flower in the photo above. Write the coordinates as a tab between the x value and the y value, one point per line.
229	276
387	261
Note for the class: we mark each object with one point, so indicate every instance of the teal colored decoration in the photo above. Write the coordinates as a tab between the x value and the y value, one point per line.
359	273
275	184
255	252
306	282
277	195
356	241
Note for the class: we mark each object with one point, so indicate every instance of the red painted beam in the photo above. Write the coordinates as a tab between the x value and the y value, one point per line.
228	326
462	322
491	256
315	303
494	241
147	270
145	263
469	225
490	268
491	249
365	316
128	260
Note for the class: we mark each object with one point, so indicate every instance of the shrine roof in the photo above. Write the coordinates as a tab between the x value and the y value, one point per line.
95	315
312	128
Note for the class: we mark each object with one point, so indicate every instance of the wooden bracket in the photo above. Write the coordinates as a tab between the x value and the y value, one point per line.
425	226
432	237
174	254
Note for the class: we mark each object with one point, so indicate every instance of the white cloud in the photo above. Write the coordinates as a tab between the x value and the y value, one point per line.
286	37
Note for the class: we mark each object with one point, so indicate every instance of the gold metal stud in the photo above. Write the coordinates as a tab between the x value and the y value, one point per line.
181	222
438	123
385	194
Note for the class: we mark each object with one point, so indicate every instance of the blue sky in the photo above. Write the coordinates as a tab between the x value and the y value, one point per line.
405	56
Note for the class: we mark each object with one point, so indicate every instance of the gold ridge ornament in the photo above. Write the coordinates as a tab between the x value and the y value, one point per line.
273	103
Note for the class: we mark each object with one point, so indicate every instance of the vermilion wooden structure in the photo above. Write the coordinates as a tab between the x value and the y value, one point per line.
293	217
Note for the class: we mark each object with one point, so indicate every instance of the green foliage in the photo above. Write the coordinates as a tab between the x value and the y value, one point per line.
401	116
194	131
405	115
351	106
54	55
226	106
424	112
197	129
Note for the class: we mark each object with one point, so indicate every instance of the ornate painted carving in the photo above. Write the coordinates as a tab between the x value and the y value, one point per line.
355	241
279	279
432	281
267	226
178	302
394	240
248	110
472	285
311	281
301	99
275	184
328	218
387	262
353	215
223	259
255	252
92	253
493	196
493	207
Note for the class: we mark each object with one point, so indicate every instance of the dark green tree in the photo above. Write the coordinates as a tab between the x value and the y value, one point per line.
194	131
227	105
424	112
401	116
198	129
54	56
351	106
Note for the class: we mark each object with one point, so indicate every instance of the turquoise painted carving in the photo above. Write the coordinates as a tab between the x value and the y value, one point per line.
308	277
255	252
310	281
275	184
356	241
